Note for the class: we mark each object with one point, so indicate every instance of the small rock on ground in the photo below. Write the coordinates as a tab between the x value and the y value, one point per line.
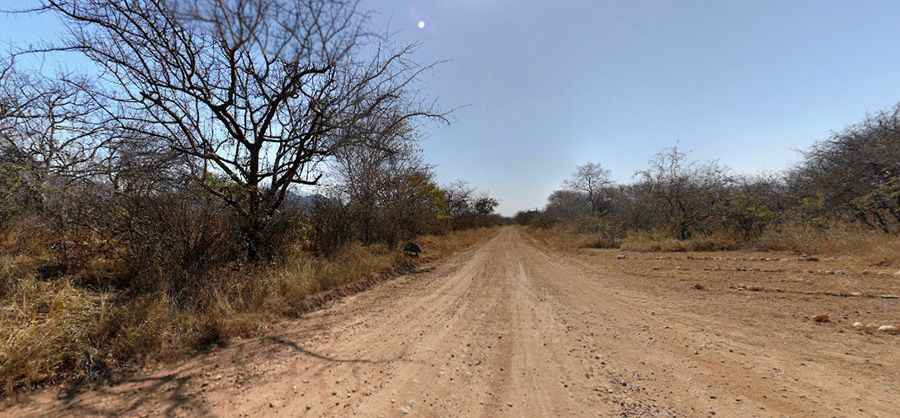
890	329
822	318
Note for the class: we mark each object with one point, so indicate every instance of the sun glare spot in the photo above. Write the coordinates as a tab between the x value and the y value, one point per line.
421	24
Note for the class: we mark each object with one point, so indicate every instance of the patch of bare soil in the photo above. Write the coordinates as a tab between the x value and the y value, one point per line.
515	329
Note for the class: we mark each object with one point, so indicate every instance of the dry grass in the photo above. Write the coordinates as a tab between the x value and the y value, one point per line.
657	242
572	237
559	236
569	238
834	239
55	329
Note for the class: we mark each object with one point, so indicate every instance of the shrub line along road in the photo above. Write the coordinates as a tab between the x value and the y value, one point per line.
509	329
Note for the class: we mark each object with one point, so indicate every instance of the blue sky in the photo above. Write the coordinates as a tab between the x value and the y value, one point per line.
544	86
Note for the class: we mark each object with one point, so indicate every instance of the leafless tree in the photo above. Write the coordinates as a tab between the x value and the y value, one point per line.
459	197
257	91
688	192
590	178
52	129
469	208
6	101
389	188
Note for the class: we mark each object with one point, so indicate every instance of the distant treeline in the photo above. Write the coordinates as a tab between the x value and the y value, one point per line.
851	177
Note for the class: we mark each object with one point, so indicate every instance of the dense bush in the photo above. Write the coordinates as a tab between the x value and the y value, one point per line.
744	215
333	225
852	175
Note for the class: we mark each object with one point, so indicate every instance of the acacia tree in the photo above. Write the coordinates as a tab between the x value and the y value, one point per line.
485	204
259	92
567	204
590	178
469	208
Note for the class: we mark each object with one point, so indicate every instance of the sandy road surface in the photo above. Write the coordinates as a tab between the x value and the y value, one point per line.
510	329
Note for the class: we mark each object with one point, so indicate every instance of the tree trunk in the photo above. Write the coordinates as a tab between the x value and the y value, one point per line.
253	232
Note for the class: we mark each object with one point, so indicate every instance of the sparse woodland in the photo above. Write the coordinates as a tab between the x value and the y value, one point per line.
218	165
219	162
843	197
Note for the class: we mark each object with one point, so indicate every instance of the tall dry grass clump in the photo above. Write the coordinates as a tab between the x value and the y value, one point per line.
50	328
584	232
834	238
654	241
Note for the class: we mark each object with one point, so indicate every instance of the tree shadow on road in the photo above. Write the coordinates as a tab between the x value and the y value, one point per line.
168	393
296	347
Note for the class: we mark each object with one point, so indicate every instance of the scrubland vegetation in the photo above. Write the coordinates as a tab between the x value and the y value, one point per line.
844	197
220	166
223	165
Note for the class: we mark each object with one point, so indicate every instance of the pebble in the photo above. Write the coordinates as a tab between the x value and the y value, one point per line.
822	318
890	329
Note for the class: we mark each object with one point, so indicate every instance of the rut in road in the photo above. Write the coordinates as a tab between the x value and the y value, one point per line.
507	329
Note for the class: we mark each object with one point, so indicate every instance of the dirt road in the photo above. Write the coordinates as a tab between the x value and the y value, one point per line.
514	329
